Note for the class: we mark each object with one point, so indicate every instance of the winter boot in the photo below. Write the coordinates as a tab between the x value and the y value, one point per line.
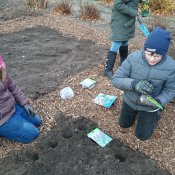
123	51
110	61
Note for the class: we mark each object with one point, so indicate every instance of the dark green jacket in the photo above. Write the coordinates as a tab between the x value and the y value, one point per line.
123	19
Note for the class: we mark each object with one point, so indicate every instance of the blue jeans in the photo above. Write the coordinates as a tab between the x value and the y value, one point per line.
146	121
21	127
116	45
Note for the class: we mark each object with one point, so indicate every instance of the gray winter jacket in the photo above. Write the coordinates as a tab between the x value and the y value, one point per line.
123	17
136	67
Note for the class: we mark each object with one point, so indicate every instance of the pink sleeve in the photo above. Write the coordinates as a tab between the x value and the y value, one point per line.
16	92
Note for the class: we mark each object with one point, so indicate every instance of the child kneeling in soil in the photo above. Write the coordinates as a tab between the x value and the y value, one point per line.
18	122
148	71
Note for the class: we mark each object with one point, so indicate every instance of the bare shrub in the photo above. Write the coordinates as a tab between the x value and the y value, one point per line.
162	7
64	8
36	4
89	12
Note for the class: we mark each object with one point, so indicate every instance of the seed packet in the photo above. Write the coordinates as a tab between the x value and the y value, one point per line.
153	101
99	137
104	100
88	83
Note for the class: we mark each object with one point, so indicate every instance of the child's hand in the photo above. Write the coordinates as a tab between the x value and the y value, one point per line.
143	87
2	64
139	11
138	18
29	110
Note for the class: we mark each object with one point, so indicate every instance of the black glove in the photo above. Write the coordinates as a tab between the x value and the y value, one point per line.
29	110
142	86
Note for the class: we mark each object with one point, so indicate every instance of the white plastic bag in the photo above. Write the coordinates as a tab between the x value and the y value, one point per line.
66	93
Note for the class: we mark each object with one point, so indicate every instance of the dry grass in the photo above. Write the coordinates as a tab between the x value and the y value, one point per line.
64	8
36	4
89	12
162	7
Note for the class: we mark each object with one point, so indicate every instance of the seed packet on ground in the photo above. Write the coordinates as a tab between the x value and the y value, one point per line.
88	83
104	100
99	137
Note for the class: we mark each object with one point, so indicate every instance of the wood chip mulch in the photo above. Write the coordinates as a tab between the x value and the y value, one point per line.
161	145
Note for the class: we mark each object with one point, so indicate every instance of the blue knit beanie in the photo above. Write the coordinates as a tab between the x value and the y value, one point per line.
158	41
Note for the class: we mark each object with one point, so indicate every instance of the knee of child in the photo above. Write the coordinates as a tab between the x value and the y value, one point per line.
35	133
142	136
32	135
124	125
30	132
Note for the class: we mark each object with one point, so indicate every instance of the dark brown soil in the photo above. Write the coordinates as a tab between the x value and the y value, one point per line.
40	58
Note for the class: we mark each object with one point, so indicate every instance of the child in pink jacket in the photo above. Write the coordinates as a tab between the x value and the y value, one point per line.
18	122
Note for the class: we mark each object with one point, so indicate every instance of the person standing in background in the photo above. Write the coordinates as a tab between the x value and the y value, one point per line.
124	13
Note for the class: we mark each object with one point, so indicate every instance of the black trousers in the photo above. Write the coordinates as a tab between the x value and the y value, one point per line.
146	121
